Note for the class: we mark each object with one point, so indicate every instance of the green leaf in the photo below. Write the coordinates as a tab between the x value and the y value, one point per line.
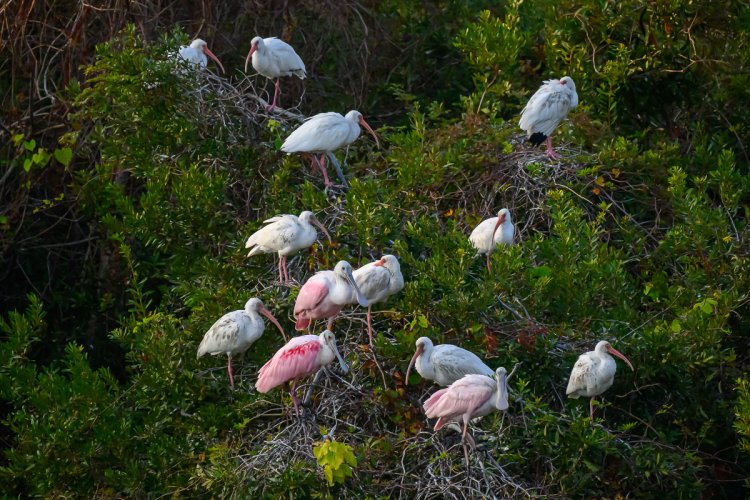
30	145
17	138
63	155
675	326
541	271
329	474
27	164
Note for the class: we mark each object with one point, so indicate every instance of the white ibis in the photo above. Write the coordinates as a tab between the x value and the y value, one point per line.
594	373
546	109
196	53
379	280
325	294
325	133
469	397
300	357
285	235
492	232
445	363
273	59
236	331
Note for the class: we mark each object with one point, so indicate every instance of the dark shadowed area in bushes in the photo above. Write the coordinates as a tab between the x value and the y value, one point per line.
130	183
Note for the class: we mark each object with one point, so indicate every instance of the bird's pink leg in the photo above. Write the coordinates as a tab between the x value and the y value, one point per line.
281	279
229	368
293	393
550	150
286	272
322	165
463	437
313	162
275	95
591	408
329	325
369	326
488	263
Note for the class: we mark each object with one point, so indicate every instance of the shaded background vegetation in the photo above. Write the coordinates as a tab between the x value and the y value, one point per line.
125	208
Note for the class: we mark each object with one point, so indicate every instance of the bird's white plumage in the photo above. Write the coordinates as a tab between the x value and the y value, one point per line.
283	234
446	363
484	240
378	282
193	53
234	332
593	373
324	132
274	58
548	106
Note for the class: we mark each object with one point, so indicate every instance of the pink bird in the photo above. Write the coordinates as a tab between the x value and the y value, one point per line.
325	294
469	397
300	357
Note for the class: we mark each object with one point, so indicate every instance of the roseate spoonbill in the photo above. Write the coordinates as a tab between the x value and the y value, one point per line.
273	59
594	373
469	397
492	232
379	280
234	332
325	294
300	357
546	109
445	363
324	133
285	234
196	53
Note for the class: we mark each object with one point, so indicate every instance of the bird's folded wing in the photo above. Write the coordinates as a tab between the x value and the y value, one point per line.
220	337
310	295
295	359
582	376
462	396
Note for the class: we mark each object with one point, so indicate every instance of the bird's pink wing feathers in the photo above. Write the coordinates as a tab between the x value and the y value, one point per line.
312	293
460	397
296	359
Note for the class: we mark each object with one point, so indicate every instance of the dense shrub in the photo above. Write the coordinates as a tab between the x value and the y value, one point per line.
638	236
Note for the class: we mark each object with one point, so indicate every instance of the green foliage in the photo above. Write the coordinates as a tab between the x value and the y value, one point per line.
629	239
742	411
337	460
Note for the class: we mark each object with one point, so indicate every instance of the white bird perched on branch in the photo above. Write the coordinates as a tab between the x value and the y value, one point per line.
273	59
445	363
546	109
196	53
324	133
492	232
285	234
379	280
594	373
236	331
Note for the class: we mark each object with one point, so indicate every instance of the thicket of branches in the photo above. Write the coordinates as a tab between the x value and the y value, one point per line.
129	186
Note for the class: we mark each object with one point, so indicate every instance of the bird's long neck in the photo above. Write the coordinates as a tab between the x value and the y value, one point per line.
425	362
501	393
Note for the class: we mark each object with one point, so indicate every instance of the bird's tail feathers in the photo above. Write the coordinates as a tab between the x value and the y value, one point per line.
432	401
537	138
